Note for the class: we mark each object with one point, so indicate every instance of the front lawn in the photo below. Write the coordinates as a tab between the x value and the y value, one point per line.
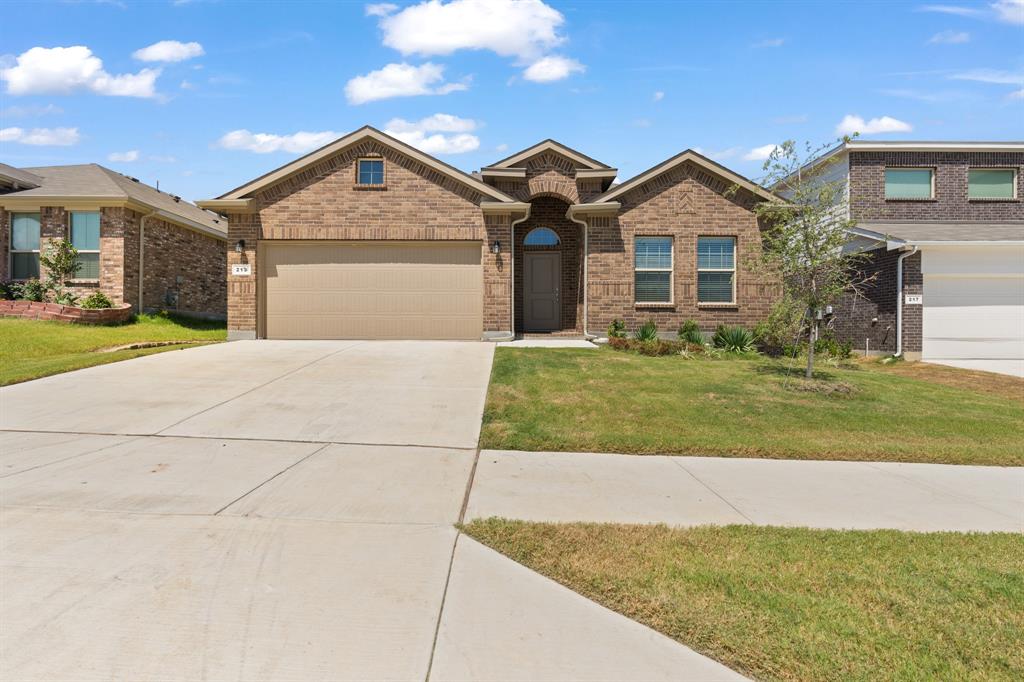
610	401
799	604
30	349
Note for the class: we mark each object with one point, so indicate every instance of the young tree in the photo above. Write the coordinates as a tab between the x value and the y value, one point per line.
61	261
806	233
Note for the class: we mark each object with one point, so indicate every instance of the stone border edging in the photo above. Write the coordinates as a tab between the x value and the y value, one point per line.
39	310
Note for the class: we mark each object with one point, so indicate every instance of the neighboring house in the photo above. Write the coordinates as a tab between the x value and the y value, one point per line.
950	216
369	237
135	242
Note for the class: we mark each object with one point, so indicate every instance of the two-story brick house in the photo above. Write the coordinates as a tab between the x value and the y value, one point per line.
943	226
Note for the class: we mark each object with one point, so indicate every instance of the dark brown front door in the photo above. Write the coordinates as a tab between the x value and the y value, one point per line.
542	274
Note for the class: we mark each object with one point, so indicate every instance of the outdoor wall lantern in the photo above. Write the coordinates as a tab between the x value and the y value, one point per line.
496	247
240	246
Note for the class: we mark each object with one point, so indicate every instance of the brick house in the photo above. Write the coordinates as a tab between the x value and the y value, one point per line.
137	245
943	226
369	237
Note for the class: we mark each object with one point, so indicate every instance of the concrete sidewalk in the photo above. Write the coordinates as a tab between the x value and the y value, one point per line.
688	491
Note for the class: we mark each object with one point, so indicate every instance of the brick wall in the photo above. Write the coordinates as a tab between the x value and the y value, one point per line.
187	263
5	245
684	203
871	314
550	212
867	187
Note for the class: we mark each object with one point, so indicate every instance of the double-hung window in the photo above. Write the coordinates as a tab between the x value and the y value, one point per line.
24	245
85	236
652	271
716	270
991	183
909	183
370	172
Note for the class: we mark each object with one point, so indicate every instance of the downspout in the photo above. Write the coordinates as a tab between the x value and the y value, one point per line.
586	259
899	301
142	249
512	269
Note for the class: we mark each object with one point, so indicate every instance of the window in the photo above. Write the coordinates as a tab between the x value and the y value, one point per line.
909	183
371	172
991	183
652	276
24	245
541	236
85	236
716	270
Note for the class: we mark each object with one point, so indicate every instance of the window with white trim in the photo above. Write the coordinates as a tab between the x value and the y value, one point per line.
716	270
992	183
85	236
652	270
370	172
24	245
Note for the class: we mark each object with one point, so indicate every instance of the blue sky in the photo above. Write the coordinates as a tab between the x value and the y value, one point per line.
203	96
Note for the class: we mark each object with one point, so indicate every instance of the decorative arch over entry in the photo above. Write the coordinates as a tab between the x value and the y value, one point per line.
541	236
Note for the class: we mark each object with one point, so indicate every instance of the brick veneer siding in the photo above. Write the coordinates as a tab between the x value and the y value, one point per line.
877	301
5	246
323	202
549	174
685	203
867	187
550	212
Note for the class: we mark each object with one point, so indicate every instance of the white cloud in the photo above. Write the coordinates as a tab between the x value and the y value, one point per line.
1010	11
950	38
64	70
186	85
759	153
884	124
552	68
428	134
953	9
658	96
57	137
124	157
994	76
501	147
169	51
265	143
525	29
30	111
1017	94
400	80
381	9
770	42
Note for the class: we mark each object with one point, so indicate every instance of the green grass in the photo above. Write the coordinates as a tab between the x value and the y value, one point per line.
611	401
799	604
30	349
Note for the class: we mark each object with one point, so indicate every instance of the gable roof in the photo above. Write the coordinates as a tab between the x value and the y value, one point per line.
549	145
668	164
16	178
341	143
94	183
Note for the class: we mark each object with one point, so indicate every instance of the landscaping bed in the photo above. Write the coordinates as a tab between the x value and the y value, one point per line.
744	406
30	349
41	310
799	604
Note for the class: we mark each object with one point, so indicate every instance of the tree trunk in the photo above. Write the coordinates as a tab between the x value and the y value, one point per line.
809	373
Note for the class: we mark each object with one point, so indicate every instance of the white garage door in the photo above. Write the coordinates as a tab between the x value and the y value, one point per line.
974	308
372	290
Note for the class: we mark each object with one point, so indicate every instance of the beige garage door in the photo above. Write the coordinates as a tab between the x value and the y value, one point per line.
372	290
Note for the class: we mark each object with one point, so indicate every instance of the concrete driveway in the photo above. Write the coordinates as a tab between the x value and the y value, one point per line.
277	511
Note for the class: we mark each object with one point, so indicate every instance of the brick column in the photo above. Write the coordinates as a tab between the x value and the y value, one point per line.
242	290
497	276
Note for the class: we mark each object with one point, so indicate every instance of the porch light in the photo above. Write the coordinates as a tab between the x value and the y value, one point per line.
496	247
240	246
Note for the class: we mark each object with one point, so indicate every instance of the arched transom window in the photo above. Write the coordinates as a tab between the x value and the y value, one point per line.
541	236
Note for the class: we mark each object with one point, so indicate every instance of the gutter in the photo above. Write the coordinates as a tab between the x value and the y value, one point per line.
142	251
512	268
899	300
586	259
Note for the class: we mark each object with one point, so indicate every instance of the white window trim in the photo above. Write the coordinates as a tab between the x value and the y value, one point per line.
994	168
732	301
12	250
383	167
671	269
931	191
71	241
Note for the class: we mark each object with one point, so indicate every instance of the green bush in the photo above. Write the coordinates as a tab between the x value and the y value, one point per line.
32	290
97	299
617	329
690	332
65	297
10	290
781	329
647	332
733	339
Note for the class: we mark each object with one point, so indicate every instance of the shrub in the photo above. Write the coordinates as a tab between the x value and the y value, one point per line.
647	332
61	261
833	348
781	329
10	291
64	297
97	299
690	332
617	329
734	339
32	290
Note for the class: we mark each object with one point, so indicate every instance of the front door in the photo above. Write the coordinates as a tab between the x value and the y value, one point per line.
542	309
